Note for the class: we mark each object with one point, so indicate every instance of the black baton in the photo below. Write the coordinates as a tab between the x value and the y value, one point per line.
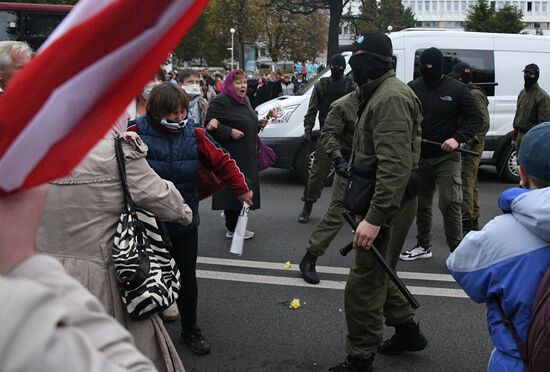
471	152
394	278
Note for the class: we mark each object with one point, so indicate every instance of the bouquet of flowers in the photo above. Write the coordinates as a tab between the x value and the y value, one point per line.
274	113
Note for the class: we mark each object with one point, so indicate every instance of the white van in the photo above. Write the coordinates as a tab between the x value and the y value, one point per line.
497	59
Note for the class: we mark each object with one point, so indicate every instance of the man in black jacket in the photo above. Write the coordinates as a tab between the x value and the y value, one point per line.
451	117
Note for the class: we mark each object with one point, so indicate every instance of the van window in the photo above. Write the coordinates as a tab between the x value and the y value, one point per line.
482	62
311	82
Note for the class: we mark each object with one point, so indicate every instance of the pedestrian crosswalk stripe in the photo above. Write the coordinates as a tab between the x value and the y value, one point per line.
324	284
320	269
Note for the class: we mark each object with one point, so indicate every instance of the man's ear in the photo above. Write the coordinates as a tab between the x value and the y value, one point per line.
523	179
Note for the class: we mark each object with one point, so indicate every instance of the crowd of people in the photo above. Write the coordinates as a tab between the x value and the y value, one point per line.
190	135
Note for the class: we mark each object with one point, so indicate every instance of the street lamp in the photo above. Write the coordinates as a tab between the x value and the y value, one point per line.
390	29
232	30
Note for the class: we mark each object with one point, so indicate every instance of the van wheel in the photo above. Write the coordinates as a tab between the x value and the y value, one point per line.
508	165
304	162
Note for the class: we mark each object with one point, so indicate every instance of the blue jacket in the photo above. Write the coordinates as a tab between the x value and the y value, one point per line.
174	157
507	259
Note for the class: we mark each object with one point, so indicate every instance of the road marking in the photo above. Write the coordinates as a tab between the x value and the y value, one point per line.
326	284
320	269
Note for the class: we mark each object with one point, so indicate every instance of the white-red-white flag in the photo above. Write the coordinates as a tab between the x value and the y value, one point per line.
62	103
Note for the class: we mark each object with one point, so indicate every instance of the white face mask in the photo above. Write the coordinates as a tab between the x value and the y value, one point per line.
193	89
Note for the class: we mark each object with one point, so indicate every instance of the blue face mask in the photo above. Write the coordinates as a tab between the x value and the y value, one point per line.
173	125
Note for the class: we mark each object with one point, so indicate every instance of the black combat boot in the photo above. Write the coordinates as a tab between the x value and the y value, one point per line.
407	337
307	267
352	364
193	337
466	226
475	224
306	211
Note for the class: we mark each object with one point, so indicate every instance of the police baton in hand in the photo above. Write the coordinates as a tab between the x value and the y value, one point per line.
394	278
459	149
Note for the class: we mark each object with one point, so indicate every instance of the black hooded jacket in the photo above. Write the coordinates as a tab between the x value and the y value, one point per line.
449	111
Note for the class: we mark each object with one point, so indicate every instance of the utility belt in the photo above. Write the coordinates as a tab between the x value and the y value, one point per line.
361	187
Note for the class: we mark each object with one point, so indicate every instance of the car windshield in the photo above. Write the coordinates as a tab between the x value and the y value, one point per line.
312	81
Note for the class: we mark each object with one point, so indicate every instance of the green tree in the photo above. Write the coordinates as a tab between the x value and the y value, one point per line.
308	7
312	38
478	17
378	15
508	20
481	17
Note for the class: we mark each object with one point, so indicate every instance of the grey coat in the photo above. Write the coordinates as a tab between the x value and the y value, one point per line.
233	115
50	323
80	222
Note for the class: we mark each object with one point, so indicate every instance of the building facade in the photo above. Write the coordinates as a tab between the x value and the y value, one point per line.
452	13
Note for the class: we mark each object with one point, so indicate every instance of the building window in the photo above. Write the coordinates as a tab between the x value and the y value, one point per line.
529	6
537	6
544	7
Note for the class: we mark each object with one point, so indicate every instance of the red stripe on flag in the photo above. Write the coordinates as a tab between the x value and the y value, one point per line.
75	50
68	152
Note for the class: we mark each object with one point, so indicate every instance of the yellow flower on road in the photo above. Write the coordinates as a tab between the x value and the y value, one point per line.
287	265
295	304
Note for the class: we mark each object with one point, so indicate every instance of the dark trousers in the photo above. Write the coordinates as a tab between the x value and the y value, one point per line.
231	218
185	250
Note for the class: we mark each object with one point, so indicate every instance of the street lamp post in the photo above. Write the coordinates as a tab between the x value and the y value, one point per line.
232	30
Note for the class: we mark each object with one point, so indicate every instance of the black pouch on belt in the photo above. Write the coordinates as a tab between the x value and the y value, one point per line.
360	189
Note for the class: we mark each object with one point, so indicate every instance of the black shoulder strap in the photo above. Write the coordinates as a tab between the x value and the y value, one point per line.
508	323
128	202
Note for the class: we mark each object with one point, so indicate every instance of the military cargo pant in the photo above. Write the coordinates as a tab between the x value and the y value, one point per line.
332	222
470	166
371	296
317	174
442	172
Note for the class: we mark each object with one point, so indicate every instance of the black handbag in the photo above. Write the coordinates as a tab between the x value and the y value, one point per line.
360	189
147	273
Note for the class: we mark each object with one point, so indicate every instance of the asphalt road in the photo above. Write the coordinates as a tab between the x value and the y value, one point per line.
243	300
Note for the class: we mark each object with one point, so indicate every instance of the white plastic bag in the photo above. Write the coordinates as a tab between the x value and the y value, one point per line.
238	235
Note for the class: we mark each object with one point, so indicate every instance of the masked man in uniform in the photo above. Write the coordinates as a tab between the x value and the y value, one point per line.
337	139
470	163
325	92
533	105
451	117
387	138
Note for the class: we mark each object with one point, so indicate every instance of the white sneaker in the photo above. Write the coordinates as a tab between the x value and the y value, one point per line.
247	235
171	313
415	253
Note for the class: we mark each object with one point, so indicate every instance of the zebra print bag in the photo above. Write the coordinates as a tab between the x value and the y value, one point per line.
147	273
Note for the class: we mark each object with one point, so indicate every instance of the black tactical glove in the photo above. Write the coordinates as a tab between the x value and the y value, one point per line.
341	167
307	134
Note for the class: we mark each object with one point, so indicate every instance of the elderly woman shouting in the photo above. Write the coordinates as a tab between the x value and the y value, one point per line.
234	124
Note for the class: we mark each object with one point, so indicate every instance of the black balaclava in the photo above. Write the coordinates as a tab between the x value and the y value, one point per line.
462	72
337	66
534	69
377	59
431	65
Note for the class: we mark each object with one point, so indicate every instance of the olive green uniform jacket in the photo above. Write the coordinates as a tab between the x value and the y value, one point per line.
387	137
533	108
482	102
337	133
315	102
